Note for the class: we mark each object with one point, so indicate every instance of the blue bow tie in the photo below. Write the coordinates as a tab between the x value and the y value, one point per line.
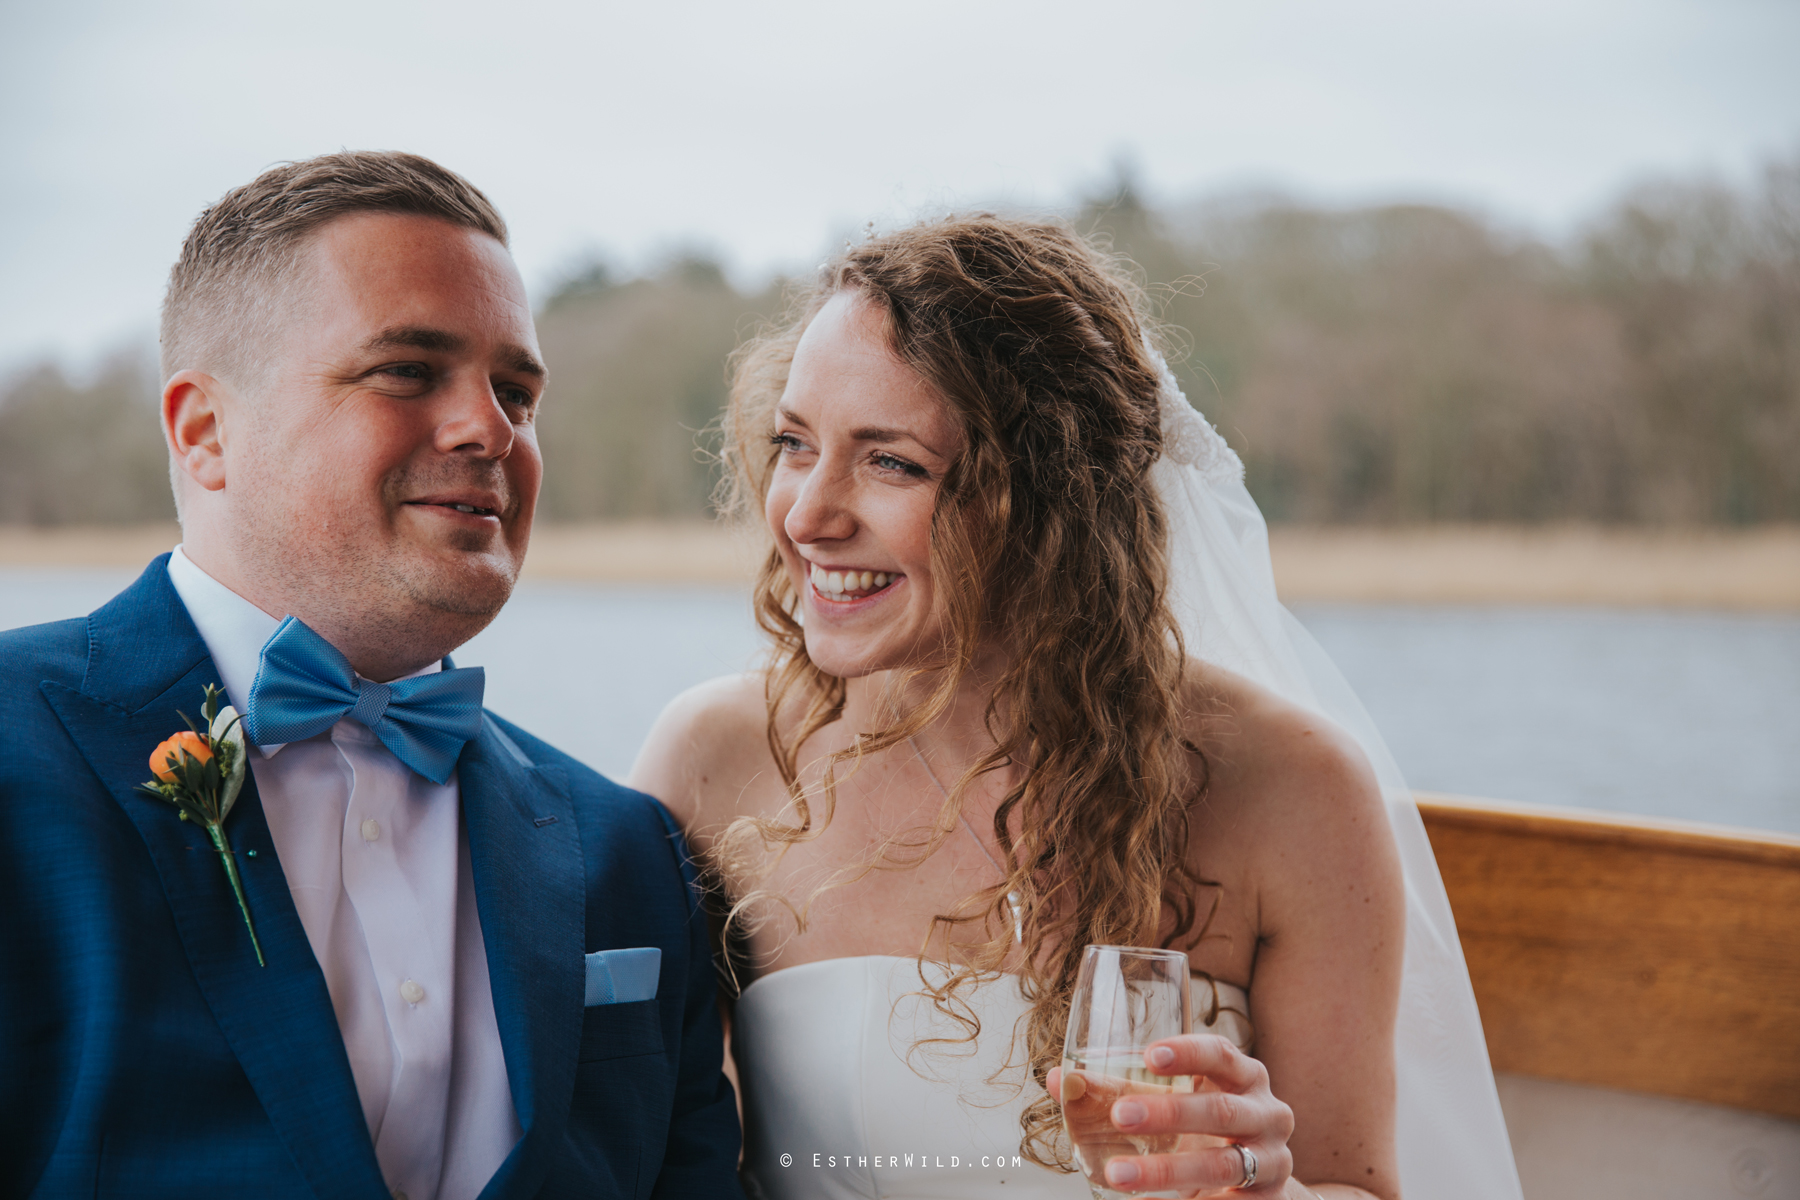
305	686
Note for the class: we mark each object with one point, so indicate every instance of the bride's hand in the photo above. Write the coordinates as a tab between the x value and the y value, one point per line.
1236	1105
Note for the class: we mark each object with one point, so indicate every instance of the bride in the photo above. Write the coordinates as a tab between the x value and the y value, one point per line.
1029	690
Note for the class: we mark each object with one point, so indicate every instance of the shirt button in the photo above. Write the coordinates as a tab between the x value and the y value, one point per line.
397	1194
411	992
371	830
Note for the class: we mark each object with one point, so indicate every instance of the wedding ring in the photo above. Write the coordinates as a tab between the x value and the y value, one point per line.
1249	1161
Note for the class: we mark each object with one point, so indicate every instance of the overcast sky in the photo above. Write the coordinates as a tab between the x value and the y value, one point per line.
761	131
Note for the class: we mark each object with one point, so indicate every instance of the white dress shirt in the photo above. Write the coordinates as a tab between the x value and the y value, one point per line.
377	859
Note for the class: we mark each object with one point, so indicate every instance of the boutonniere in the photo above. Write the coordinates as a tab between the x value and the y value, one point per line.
200	771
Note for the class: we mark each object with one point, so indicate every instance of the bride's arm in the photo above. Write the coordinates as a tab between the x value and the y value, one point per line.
1326	989
697	757
1316	1106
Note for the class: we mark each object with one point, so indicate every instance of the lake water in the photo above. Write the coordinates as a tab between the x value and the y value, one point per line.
1679	714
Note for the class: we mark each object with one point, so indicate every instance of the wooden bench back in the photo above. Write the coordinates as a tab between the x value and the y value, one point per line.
1626	952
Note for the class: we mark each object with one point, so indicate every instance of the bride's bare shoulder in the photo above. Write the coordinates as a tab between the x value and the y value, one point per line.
709	740
1282	778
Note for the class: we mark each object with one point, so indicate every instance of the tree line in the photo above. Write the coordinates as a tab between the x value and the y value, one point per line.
1385	364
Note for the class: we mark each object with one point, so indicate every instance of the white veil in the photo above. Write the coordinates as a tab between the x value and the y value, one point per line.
1451	1136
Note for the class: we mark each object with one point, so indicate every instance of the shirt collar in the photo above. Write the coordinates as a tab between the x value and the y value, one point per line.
233	629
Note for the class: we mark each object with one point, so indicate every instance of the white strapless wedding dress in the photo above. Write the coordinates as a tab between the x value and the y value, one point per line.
838	1103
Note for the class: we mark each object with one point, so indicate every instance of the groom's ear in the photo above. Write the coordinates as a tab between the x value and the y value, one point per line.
193	419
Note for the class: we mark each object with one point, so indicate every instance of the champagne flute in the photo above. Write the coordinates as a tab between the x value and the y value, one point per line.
1126	998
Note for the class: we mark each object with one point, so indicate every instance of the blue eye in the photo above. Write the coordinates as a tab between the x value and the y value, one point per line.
889	462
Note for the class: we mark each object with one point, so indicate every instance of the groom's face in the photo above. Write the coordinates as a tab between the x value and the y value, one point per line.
390	467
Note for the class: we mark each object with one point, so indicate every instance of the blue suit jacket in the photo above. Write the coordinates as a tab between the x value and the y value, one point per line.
144	1053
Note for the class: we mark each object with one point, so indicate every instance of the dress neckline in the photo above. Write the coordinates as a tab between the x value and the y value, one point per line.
1240	993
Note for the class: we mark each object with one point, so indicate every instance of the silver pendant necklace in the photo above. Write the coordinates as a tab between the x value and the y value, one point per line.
1012	898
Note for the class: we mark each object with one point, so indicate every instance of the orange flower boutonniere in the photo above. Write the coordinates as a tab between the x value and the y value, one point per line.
200	771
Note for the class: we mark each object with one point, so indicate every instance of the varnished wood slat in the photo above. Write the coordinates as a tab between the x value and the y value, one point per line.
1658	956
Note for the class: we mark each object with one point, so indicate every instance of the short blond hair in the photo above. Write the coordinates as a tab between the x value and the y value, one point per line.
222	305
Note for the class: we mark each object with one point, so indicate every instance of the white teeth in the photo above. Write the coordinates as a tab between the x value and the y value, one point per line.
463	507
839	584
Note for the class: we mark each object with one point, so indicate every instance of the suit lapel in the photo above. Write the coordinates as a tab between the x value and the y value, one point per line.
525	852
146	661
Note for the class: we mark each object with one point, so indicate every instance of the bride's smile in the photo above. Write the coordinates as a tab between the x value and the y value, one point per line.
840	586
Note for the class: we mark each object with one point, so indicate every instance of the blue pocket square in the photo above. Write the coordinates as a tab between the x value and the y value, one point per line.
621	976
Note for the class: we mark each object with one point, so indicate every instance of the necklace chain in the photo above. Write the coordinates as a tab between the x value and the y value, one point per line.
1012	898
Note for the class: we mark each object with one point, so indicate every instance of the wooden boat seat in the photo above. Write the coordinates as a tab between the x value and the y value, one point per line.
1629	952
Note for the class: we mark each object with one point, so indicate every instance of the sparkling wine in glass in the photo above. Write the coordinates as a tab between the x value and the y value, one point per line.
1126	998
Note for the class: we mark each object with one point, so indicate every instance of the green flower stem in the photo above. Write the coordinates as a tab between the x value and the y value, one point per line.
231	872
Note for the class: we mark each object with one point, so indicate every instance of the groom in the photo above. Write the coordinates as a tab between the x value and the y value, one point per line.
485	969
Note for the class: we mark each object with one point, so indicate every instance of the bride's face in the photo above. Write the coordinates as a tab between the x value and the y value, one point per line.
864	442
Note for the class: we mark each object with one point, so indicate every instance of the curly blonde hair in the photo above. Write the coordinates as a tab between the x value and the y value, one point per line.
1048	541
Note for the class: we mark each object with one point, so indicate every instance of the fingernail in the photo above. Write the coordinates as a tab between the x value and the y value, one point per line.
1162	1056
1129	1112
1121	1173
